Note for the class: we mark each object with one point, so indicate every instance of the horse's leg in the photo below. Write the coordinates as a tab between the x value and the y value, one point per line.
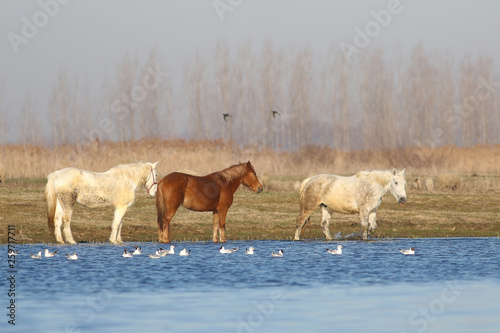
308	203
167	218
119	234
58	218
68	236
301	222
216	227
326	214
222	225
363	215
160	232
372	223
115	226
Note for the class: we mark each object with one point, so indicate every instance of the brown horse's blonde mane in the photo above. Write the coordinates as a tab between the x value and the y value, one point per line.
235	171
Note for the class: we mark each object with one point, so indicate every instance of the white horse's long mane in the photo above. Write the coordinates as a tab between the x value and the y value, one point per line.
382	177
134	171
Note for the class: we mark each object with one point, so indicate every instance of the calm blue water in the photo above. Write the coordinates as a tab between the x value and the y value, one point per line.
449	284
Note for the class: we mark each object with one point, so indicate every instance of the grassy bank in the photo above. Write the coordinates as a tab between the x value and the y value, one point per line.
270	215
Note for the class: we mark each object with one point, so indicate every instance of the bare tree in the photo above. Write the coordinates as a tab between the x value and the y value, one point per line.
195	86
300	87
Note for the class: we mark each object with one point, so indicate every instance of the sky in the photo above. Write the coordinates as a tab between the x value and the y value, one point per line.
89	38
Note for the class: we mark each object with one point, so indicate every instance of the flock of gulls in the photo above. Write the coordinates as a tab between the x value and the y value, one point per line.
163	253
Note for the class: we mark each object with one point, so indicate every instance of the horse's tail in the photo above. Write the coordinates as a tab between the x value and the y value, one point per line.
161	207
51	199
302	192
303	185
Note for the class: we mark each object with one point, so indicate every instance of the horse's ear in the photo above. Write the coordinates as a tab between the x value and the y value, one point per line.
403	171
394	171
155	164
249	164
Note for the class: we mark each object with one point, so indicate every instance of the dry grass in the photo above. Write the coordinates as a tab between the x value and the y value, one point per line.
449	181
26	161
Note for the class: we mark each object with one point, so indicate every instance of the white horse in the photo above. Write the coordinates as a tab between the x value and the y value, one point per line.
361	193
115	187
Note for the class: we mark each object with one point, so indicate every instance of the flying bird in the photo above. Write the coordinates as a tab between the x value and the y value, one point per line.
275	113
225	115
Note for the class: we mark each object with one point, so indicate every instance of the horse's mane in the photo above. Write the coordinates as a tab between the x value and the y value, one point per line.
229	174
135	170
380	176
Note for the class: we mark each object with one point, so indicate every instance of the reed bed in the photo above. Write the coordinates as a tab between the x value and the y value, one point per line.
447	165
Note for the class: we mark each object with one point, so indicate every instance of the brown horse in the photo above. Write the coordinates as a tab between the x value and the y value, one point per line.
210	193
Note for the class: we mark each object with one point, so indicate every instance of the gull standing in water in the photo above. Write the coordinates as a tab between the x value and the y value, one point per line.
72	256
126	254
37	256
249	250
49	254
223	250
161	252
137	251
337	251
411	250
184	252
171	251
279	254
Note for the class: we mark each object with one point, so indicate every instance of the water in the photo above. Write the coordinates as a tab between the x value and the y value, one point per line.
449	284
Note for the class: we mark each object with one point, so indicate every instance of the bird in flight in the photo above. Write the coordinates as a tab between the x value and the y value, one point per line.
275	113
225	115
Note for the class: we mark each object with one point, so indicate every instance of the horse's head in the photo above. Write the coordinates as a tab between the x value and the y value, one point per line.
151	183
398	186
251	180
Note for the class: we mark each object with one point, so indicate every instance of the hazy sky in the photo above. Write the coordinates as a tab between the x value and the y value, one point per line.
90	37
